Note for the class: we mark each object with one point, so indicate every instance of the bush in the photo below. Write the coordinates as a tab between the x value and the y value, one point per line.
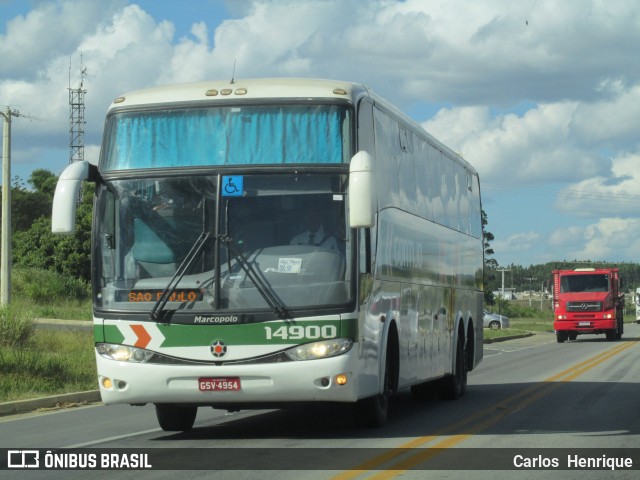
46	286
54	362
513	310
17	327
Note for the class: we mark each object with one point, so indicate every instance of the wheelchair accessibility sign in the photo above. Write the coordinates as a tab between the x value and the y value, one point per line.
232	185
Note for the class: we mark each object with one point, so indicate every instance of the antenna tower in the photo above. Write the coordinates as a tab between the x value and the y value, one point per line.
76	116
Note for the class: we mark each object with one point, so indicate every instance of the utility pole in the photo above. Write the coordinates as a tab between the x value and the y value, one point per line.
502	295
531	279
5	241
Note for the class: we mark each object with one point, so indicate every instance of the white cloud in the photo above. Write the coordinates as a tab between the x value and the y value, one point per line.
510	149
49	30
571	64
618	194
516	243
611	122
122	52
608	238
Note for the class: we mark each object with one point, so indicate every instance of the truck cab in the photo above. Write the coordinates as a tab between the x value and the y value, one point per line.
587	301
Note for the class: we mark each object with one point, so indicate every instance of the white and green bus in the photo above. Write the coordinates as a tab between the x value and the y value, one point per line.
208	288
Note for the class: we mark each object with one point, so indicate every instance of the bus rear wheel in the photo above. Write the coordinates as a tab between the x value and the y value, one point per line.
175	418
455	385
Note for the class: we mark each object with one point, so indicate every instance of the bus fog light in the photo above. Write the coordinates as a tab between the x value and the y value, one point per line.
341	379
106	383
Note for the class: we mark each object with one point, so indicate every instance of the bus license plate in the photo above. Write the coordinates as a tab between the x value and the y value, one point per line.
219	384
584	324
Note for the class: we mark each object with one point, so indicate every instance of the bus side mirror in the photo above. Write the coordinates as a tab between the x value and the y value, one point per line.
361	188
65	200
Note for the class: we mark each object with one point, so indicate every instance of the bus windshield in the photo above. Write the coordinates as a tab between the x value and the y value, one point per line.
238	135
262	240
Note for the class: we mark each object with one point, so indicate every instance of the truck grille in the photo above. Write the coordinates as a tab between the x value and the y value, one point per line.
584	306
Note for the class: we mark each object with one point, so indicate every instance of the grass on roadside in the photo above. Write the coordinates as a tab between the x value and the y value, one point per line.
71	310
64	310
519	326
51	295
37	363
531	324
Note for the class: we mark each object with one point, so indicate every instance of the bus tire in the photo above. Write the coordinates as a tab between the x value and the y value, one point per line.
561	336
372	412
454	386
175	418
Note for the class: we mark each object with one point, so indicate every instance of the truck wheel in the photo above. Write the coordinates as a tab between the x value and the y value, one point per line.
561	337
620	328
175	418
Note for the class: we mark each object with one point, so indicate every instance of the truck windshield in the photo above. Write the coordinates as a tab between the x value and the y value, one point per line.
584	283
264	242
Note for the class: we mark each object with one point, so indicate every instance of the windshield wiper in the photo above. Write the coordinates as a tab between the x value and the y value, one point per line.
158	312
263	288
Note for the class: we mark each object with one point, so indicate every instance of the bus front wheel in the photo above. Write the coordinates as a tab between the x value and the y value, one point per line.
373	411
175	418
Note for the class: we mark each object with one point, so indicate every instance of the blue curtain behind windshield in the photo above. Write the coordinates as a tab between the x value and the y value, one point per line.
225	136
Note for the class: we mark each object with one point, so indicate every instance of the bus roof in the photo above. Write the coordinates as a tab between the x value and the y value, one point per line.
224	90
262	88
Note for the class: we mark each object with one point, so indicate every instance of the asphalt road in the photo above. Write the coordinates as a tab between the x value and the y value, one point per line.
531	400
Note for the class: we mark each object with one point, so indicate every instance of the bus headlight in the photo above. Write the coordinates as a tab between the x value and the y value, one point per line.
124	353
316	350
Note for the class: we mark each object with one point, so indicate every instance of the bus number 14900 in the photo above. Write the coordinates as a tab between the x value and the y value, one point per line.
299	332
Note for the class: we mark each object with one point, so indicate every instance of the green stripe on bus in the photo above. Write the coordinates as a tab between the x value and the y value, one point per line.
266	333
112	334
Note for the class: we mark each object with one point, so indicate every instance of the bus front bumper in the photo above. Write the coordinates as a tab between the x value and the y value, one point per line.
241	385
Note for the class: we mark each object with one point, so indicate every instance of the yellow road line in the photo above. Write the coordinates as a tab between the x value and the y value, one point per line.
504	408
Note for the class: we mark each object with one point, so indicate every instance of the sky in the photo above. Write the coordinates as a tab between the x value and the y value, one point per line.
542	97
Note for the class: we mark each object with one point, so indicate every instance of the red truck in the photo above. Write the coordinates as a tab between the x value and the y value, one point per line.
587	300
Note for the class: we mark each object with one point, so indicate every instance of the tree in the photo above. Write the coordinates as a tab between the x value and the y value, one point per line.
490	264
43	181
487	238
38	247
27	205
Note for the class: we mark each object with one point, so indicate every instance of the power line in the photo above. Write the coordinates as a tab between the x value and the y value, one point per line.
564	192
